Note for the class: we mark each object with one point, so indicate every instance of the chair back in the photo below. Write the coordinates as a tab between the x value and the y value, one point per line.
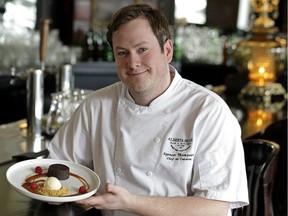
277	132
261	158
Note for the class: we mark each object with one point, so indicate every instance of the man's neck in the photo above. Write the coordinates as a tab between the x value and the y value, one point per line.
145	98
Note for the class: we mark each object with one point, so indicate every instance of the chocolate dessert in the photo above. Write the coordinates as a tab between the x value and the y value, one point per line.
60	171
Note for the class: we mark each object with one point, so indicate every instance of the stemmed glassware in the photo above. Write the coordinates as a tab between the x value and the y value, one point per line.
62	106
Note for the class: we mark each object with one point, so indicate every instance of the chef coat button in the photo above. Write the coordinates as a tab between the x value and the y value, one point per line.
149	173
118	170
156	140
168	111
122	102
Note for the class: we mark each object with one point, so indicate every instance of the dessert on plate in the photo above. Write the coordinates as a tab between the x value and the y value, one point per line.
48	183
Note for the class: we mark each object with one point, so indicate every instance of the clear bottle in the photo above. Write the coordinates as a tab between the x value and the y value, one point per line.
55	117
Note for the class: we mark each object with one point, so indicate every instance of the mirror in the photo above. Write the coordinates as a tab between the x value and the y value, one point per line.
209	13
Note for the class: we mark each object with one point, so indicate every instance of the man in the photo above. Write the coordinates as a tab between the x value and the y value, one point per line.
162	145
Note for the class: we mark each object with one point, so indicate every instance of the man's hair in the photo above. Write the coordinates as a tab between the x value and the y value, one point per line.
156	19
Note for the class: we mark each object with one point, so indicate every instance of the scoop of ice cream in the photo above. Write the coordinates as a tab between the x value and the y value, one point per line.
52	183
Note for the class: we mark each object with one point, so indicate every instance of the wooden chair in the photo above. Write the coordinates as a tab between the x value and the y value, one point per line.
261	162
277	132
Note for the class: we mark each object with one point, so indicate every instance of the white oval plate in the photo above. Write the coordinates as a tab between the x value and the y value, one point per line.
17	173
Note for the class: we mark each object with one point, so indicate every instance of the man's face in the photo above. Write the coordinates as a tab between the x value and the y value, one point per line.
141	65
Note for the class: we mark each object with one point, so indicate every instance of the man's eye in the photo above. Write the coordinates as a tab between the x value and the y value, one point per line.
121	53
142	49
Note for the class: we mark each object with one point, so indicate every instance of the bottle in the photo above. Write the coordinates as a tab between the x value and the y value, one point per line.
99	46
89	46
108	53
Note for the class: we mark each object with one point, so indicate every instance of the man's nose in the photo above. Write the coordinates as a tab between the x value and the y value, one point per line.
133	61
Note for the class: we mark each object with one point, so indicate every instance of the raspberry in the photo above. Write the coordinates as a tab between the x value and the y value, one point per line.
38	170
33	185
82	189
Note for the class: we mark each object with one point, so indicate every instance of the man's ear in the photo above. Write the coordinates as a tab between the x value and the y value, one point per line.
168	50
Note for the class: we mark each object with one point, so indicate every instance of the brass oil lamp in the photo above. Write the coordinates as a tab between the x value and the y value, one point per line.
262	55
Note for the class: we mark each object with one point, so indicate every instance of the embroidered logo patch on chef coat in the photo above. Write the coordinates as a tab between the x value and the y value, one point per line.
179	148
179	144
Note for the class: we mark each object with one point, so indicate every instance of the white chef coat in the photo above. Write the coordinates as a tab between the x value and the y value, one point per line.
185	143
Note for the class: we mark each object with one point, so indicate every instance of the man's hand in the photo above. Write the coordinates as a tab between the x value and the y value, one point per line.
114	198
118	198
